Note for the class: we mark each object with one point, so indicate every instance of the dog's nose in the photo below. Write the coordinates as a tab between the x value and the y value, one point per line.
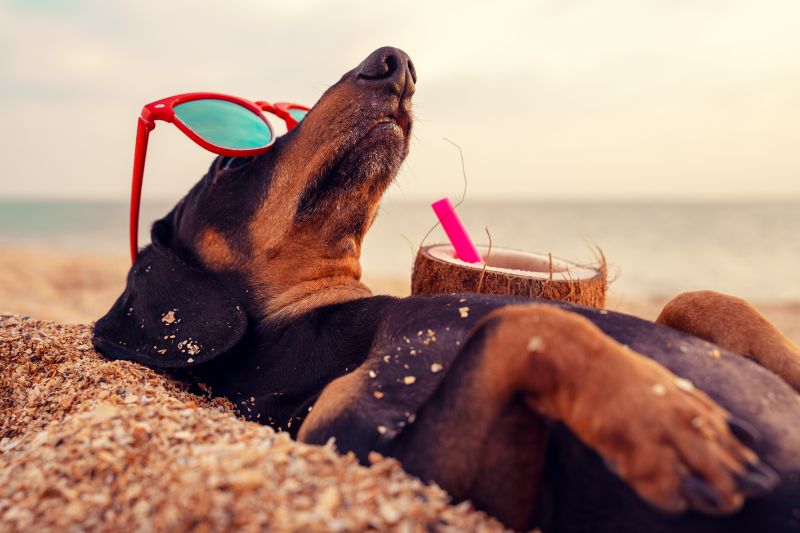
389	66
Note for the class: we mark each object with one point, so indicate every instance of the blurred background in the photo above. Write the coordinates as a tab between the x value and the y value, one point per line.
665	132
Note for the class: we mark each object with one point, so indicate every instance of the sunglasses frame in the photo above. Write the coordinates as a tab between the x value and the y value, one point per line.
164	110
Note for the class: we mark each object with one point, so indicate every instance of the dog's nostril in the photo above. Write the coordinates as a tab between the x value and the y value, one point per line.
379	66
391	66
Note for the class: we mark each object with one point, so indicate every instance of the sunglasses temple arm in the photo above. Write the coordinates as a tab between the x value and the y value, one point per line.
143	129
278	111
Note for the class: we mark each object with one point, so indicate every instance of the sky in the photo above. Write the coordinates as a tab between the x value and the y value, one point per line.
556	99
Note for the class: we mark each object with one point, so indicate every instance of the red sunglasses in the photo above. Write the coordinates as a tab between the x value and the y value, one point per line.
225	125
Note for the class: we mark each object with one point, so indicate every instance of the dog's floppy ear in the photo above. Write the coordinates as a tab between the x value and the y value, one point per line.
171	314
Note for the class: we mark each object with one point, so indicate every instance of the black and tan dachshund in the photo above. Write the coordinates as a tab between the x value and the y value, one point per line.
541	413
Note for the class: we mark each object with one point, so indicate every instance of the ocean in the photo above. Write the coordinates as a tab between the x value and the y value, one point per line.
748	249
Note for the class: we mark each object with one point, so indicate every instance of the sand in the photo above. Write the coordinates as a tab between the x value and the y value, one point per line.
87	443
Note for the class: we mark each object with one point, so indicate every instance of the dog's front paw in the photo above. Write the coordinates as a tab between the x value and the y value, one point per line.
674	445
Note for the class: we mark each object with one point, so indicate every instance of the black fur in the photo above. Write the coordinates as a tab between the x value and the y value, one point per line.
172	314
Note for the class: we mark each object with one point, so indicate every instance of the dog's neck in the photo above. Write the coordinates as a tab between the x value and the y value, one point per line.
306	296
303	275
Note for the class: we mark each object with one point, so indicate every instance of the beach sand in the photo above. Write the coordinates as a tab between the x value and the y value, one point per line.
87	443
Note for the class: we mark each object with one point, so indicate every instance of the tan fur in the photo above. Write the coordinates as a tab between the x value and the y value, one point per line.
306	272
335	398
736	325
214	251
302	159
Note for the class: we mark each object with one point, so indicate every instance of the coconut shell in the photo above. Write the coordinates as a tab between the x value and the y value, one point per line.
509	272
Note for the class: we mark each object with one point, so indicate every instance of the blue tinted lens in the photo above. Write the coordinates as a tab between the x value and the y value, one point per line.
298	114
224	124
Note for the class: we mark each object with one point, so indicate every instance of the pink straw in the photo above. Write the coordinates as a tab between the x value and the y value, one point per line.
456	232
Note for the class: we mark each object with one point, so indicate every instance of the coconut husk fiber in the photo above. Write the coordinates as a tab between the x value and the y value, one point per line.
509	272
92	444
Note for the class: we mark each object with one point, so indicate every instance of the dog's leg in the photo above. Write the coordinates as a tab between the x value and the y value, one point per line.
671	443
736	325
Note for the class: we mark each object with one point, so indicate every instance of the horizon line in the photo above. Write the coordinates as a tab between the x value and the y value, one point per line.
533	199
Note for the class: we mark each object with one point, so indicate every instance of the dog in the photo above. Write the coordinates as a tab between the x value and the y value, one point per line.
542	413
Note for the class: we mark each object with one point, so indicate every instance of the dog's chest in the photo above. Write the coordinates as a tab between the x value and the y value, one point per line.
403	371
415	347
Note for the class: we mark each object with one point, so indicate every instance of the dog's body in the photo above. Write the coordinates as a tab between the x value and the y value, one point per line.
511	403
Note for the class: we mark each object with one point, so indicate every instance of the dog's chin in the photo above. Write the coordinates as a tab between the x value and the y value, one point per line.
375	159
386	136
386	128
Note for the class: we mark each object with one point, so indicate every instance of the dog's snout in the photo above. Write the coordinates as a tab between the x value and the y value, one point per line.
390	66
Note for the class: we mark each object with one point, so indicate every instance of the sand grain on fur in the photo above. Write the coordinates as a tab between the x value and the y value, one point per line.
87	443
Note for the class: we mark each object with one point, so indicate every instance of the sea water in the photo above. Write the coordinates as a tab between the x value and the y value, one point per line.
748	249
